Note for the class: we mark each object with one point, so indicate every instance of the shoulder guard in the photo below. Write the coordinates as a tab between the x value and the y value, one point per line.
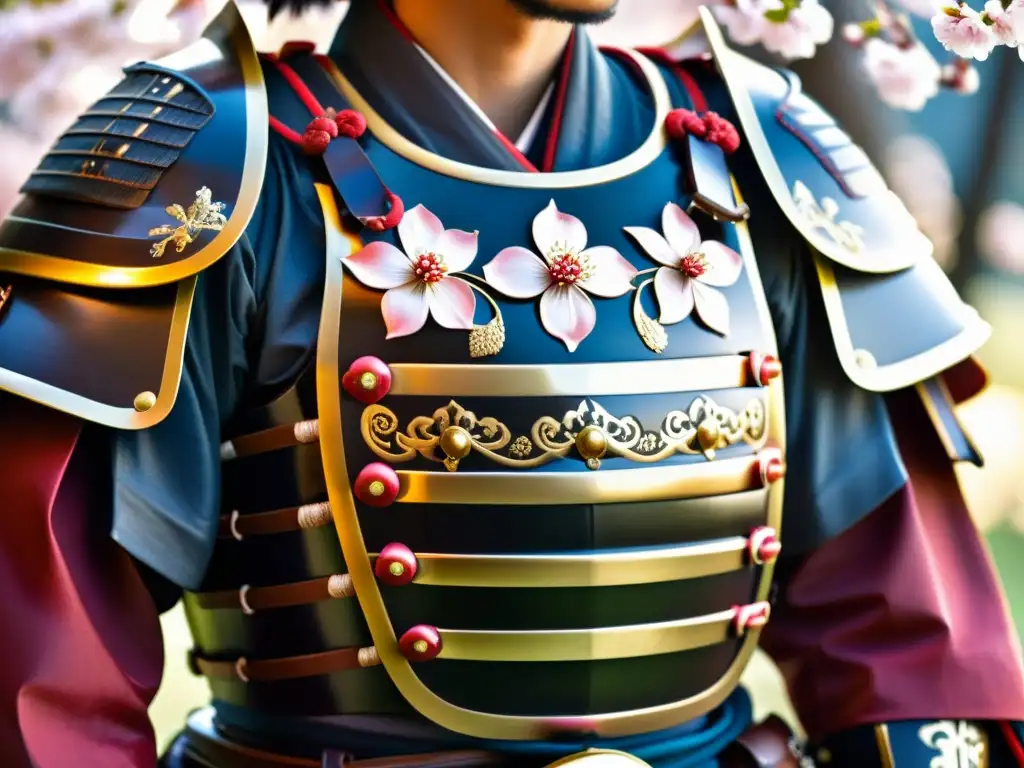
895	318
98	261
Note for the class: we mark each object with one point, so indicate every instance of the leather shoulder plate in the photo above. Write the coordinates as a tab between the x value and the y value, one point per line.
895	318
156	180
98	261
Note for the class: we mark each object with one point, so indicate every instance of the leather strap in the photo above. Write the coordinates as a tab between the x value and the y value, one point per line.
766	745
284	436
287	668
237	526
252	599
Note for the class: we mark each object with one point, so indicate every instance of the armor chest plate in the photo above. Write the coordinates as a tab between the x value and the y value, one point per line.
543	539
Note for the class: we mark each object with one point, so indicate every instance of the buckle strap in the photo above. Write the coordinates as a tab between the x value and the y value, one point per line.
287	668
252	599
238	526
266	440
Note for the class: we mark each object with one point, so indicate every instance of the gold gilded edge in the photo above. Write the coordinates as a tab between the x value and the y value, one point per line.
256	143
598	758
884	746
647	566
585	380
905	373
706	478
421	698
644	155
108	415
587	644
729	63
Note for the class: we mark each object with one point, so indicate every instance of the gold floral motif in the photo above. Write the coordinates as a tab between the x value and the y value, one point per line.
202	214
703	428
486	340
651	331
823	216
959	744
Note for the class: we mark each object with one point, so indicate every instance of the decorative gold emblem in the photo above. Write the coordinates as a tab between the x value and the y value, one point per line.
959	744
202	214
452	433
823	216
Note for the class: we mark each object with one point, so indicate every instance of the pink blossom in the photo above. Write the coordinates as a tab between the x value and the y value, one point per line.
745	19
806	27
906	78
564	277
961	30
418	282
1001	24
691	271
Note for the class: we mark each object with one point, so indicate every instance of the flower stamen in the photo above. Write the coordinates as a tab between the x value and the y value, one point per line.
430	267
693	265
566	268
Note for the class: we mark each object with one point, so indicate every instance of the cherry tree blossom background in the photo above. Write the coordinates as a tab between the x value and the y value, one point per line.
932	89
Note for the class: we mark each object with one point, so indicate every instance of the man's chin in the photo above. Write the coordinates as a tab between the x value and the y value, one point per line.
571	11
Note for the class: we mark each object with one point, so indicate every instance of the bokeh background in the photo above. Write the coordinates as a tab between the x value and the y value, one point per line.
958	164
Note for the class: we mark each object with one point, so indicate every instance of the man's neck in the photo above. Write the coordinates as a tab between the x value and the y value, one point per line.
502	59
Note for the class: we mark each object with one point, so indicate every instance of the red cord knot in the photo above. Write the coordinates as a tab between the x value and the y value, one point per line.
748	617
389	220
763	546
329	126
351	124
710	127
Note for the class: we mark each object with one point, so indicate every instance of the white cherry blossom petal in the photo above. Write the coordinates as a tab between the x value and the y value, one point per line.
655	245
674	292
712	308
452	303
567	313
610	274
518	273
457	247
404	309
551	227
419	230
680	230
379	265
722	264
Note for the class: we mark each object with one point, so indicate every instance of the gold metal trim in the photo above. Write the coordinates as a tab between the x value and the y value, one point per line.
614	486
905	373
401	672
587	644
644	155
884	746
256	141
730	63
599	758
648	566
703	428
108	415
647	377
937	422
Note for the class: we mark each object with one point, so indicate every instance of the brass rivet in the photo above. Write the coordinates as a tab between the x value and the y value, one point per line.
144	401
396	569
376	488
368	380
591	442
420	646
708	433
456	443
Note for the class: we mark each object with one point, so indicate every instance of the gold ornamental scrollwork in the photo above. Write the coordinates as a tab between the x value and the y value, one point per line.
452	432
202	214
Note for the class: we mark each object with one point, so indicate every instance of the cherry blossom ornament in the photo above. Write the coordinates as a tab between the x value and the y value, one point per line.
564	277
420	280
691	273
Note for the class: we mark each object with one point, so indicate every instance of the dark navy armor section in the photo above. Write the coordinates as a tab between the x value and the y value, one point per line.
874	265
155	182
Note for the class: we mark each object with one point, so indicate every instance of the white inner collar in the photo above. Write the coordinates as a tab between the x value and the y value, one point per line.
529	132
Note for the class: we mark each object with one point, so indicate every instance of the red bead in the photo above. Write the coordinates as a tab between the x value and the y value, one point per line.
376	485
680	123
368	380
324	123
396	565
421	643
764	367
772	469
350	123
764	545
748	617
